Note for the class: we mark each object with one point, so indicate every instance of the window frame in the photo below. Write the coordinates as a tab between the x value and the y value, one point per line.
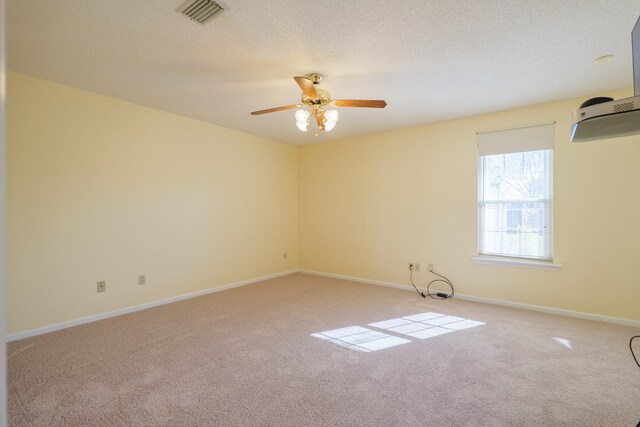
515	259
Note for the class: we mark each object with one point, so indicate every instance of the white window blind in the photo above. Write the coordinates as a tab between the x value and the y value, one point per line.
515	192
530	138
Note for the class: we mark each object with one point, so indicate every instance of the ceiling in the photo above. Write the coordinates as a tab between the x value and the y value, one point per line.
431	60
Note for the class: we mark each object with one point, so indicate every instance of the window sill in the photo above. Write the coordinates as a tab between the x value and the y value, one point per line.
541	265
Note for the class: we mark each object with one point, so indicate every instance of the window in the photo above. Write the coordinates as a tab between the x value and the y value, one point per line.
515	193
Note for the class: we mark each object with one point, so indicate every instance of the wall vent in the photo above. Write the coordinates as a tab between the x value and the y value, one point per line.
200	11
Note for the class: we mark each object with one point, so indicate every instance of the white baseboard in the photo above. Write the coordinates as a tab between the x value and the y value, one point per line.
531	307
80	321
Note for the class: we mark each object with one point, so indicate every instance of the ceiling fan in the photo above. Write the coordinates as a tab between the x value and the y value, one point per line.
316	100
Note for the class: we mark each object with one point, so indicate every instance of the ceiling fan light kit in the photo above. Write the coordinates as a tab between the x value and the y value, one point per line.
302	119
330	119
316	99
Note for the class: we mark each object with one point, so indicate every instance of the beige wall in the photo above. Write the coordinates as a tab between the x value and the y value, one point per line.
371	205
101	189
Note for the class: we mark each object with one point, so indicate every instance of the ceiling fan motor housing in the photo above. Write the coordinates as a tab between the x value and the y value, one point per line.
323	98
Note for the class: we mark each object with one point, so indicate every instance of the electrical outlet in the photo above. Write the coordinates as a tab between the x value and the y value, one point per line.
430	267
284	255
102	286
414	266
142	279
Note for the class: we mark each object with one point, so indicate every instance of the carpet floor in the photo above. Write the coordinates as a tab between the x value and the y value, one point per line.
304	350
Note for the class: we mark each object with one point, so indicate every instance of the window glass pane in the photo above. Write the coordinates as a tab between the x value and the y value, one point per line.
515	204
515	176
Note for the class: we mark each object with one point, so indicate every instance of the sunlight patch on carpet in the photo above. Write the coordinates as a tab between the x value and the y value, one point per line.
420	326
426	325
565	342
360	339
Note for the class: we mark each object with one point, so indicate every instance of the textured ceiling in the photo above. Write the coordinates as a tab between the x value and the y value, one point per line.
430	60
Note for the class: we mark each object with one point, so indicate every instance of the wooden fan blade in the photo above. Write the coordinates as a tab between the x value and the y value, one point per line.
369	103
273	110
307	86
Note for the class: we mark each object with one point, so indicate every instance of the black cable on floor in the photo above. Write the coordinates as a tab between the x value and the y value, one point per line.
632	353
437	295
414	286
